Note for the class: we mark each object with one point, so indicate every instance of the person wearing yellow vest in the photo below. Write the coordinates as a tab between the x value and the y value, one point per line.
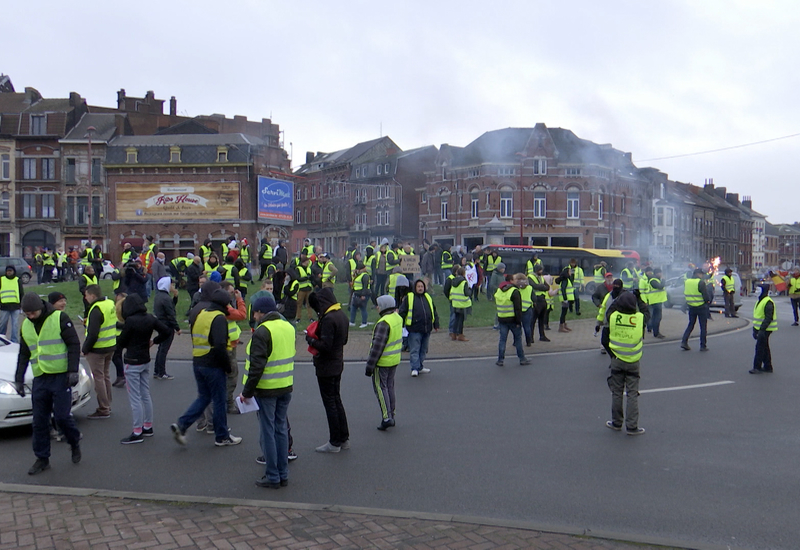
629	277
728	284
49	343
48	263
626	328
794	293
533	263
694	290
765	322
419	319
244	252
205	250
526	297
11	293
490	263
164	302
566	289
244	276
610	291
577	281
459	295
87	279
265	255
360	294
210	362
540	295
302	274
128	254
655	299
116	359
599	272
329	271
509	318
384	356
135	337
269	379
99	345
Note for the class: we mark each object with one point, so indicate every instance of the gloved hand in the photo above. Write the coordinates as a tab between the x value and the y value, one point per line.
762	335
20	387
309	340
597	328
755	334
369	371
72	379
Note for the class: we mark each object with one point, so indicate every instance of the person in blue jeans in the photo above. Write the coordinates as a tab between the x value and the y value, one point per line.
211	365
420	319
360	285
508	300
268	379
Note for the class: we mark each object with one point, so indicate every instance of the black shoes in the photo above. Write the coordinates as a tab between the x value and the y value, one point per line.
147	432
76	454
267	484
759	371
685	346
39	466
544	339
131	439
385	424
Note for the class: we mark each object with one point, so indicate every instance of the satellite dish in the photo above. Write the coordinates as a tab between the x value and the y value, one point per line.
786	265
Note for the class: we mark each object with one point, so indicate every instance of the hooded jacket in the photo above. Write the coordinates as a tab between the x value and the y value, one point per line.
218	335
422	318
164	305
137	331
332	332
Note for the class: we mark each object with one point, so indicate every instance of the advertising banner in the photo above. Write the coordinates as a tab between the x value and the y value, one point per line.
177	201
275	200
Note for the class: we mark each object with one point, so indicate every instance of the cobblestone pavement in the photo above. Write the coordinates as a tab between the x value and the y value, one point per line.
39	521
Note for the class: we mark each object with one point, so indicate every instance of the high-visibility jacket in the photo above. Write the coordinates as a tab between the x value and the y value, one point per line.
244	253
267	252
205	252
308	249
90	280
279	370
391	353
9	290
368	263
88	258
200	332
393	283
629	278
106	337
657	296
491	263
47	260
625	336
538	280
729	282
502	299
38	258
601	312
578	279
358	282
351	263
447	260
304	272
758	315
458	296
794	285
599	275
224	248
61	257
526	295
692	293
48	350
242	280
570	291
327	274
115	284
228	270
411	308
126	256
644	289
530	267
234	332
208	268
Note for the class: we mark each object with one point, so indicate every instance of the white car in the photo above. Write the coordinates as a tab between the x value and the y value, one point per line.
675	296
18	411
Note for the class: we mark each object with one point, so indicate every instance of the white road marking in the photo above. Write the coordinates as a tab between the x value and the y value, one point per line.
693	386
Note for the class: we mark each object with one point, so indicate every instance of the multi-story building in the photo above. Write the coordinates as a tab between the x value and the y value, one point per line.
788	244
545	185
758	237
7	187
772	248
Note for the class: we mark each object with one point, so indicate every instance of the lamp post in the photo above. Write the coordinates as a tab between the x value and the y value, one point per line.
89	131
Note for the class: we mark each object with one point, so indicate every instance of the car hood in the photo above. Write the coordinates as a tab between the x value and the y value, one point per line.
8	364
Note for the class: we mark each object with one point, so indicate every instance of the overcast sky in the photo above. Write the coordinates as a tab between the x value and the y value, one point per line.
656	79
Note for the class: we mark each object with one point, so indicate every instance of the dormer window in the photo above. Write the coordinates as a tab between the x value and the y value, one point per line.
174	154
38	125
222	154
131	156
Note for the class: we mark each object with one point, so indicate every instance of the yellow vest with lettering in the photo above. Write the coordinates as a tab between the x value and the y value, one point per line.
625	336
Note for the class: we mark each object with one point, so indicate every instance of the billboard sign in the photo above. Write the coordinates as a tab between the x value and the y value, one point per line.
275	200
177	201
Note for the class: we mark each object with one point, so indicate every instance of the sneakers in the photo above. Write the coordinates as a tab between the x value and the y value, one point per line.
660	336
363	325
610	424
385	424
228	441
499	363
345	445
201	426
39	466
164	376
352	324
147	432
76	454
704	348
525	361
637	431
210	429
97	414
292	455
179	436
328	448
685	346
544	339
424	370
131	439
414	373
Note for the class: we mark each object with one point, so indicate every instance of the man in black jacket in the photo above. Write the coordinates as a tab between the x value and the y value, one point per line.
509	320
420	319
210	363
164	309
11	293
193	272
329	340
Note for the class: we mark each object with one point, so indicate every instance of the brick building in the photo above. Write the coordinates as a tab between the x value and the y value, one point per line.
546	185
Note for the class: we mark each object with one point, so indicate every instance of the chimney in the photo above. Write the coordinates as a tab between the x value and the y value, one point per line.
121	99
309	156
149	96
732	198
747	201
721	192
173	106
75	99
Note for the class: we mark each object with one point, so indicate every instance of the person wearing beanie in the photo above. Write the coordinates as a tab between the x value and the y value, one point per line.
269	378
58	300
765	322
50	344
694	290
11	293
360	287
384	356
625	336
215	276
540	289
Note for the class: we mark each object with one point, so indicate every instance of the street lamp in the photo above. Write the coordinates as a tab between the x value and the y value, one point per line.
89	131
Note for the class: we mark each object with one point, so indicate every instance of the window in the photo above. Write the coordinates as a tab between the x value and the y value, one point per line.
670	241
305	215
474	209
364	171
358	172
622	205
38	125
70	176
379	216
379	192
444	209
669	217
96	170
48	206
505	172
297	216
298	193
29	169
423	197
539	204
222	154
475	172
48	169
386	168
573	205
622	234
386	217
506	204
174	154
28	206
313	213
313	191
95	208
660	216
330	215
5	166
131	156
387	192
380	169
5	205
573	171
305	193
600	207
540	167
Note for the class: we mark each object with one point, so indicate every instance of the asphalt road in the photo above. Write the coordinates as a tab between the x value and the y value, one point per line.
717	465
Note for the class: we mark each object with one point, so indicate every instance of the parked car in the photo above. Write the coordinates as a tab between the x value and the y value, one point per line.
24	269
18	411
675	296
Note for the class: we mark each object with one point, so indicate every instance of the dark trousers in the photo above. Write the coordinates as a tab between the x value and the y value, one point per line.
795	306
730	308
624	380
329	388
577	301
527	325
459	314
160	366
119	366
763	357
380	284
539	316
656	311
52	395
516	330
697	313
210	389
564	309
263	268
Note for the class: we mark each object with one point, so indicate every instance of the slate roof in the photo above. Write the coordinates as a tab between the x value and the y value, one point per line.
195	148
342	156
105	127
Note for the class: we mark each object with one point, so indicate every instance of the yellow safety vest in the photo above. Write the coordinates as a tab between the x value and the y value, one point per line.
242	281
491	263
391	353
599	275
628	284
200	331
234	332
327	274
358	283
458	296
530	268
368	264
205	252
87	260
447	260
267	254
730	283
578	275
126	256
304	272
758	315
48	350
47	259
539	280
692	293
9	290
644	289
278	372
794	285
393	283
526	295
308	249
90	280
625	336
411	308
106	338
502	299
244	254
601	313
656	296
228	268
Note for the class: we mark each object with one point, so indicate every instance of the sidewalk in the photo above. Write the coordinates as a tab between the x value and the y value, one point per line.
483	341
33	517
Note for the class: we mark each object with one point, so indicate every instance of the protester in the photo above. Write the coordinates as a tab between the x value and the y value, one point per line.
420	319
11	292
540	296
509	317
99	345
765	322
526	298
164	303
361	293
117	359
458	294
87	279
384	356
135	280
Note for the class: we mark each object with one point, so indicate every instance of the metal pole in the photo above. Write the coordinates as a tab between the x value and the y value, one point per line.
89	131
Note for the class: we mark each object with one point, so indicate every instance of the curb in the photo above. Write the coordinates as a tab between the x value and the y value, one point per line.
335	508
